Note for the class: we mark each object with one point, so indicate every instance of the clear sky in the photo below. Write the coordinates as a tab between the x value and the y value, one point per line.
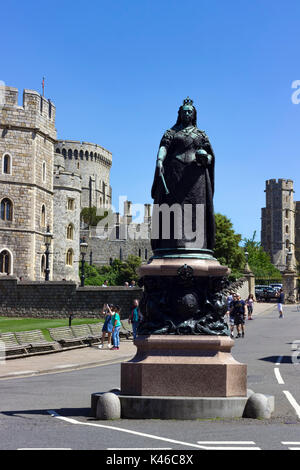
118	71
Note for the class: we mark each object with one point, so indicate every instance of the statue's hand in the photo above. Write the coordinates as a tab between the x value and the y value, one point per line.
202	158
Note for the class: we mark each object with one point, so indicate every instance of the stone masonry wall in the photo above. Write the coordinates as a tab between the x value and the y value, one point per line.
59	299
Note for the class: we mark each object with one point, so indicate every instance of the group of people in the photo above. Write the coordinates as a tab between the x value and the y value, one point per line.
112	324
126	284
236	311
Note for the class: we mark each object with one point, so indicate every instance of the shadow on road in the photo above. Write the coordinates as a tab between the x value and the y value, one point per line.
67	412
284	359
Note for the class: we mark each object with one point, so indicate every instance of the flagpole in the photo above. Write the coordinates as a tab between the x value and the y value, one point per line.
43	86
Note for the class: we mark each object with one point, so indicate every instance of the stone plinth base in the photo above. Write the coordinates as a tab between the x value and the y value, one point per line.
184	366
170	266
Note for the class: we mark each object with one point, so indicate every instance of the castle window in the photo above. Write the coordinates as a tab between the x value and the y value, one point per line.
287	244
81	154
71	204
43	265
117	232
91	155
7	164
70	232
57	150
44	172
64	152
41	105
6	209
70	154
69	257
50	109
286	229
5	262
140	253
87	155
78	166
146	253
43	216
121	254
286	213
76	154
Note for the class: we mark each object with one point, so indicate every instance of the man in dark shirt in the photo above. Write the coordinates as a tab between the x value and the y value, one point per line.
238	312
280	302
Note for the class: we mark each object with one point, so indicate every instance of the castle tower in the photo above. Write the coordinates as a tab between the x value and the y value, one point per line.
93	163
278	221
27	142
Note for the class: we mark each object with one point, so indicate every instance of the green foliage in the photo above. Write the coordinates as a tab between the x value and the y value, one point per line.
227	249
116	274
259	261
90	217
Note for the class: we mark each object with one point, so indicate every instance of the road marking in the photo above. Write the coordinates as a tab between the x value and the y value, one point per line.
279	361
227	442
293	402
231	448
128	431
278	376
44	448
291	443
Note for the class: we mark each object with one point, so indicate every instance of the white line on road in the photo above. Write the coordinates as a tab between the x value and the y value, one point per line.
291	443
231	448
227	442
128	431
139	448
278	376
293	402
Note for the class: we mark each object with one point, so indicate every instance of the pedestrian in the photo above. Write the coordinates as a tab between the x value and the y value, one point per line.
230	299
105	283
132	284
116	323
107	326
126	284
238	310
280	302
250	304
135	317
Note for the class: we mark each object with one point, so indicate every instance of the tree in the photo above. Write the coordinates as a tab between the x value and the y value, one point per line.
116	274
227	247
90	217
259	261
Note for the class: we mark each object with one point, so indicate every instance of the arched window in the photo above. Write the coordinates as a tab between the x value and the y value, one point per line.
64	152
43	265
69	257
70	232
146	253
140	253
81	154
44	172
6	209
70	154
43	216
76	154
287	213
7	164
5	262
57	150
87	155
286	229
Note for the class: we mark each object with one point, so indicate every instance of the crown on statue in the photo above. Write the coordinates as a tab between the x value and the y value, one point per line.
188	102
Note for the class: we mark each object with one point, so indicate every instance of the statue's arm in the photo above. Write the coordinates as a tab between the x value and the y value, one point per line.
162	152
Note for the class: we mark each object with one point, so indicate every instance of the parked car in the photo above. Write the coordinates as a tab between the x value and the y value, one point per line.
265	293
276	286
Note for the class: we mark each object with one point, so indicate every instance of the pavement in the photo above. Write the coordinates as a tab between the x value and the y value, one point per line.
80	358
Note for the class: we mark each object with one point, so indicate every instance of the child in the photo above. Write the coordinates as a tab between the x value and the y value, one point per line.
116	323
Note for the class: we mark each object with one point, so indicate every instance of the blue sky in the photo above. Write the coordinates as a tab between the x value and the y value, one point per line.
117	72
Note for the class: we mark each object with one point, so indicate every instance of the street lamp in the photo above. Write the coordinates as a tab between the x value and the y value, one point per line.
47	240
83	252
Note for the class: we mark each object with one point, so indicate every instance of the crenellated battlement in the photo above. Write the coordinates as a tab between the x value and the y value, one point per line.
37	113
284	184
84	151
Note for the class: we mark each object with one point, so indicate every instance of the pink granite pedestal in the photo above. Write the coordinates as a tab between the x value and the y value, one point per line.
184	366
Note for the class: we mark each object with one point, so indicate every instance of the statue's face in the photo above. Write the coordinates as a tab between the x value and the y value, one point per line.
187	113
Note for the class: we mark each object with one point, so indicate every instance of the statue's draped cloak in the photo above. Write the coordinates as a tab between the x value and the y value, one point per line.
187	183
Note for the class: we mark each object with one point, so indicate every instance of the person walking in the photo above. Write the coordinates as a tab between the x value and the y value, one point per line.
238	310
280	302
116	322
135	317
107	326
250	304
230	299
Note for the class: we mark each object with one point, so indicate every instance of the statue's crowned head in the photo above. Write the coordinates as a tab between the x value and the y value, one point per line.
187	105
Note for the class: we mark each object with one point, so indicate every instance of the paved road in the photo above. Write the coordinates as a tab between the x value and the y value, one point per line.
52	410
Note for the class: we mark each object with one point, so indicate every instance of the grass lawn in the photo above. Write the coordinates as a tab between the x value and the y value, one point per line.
25	324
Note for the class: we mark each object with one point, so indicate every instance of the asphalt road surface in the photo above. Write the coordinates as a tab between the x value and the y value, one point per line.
51	411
